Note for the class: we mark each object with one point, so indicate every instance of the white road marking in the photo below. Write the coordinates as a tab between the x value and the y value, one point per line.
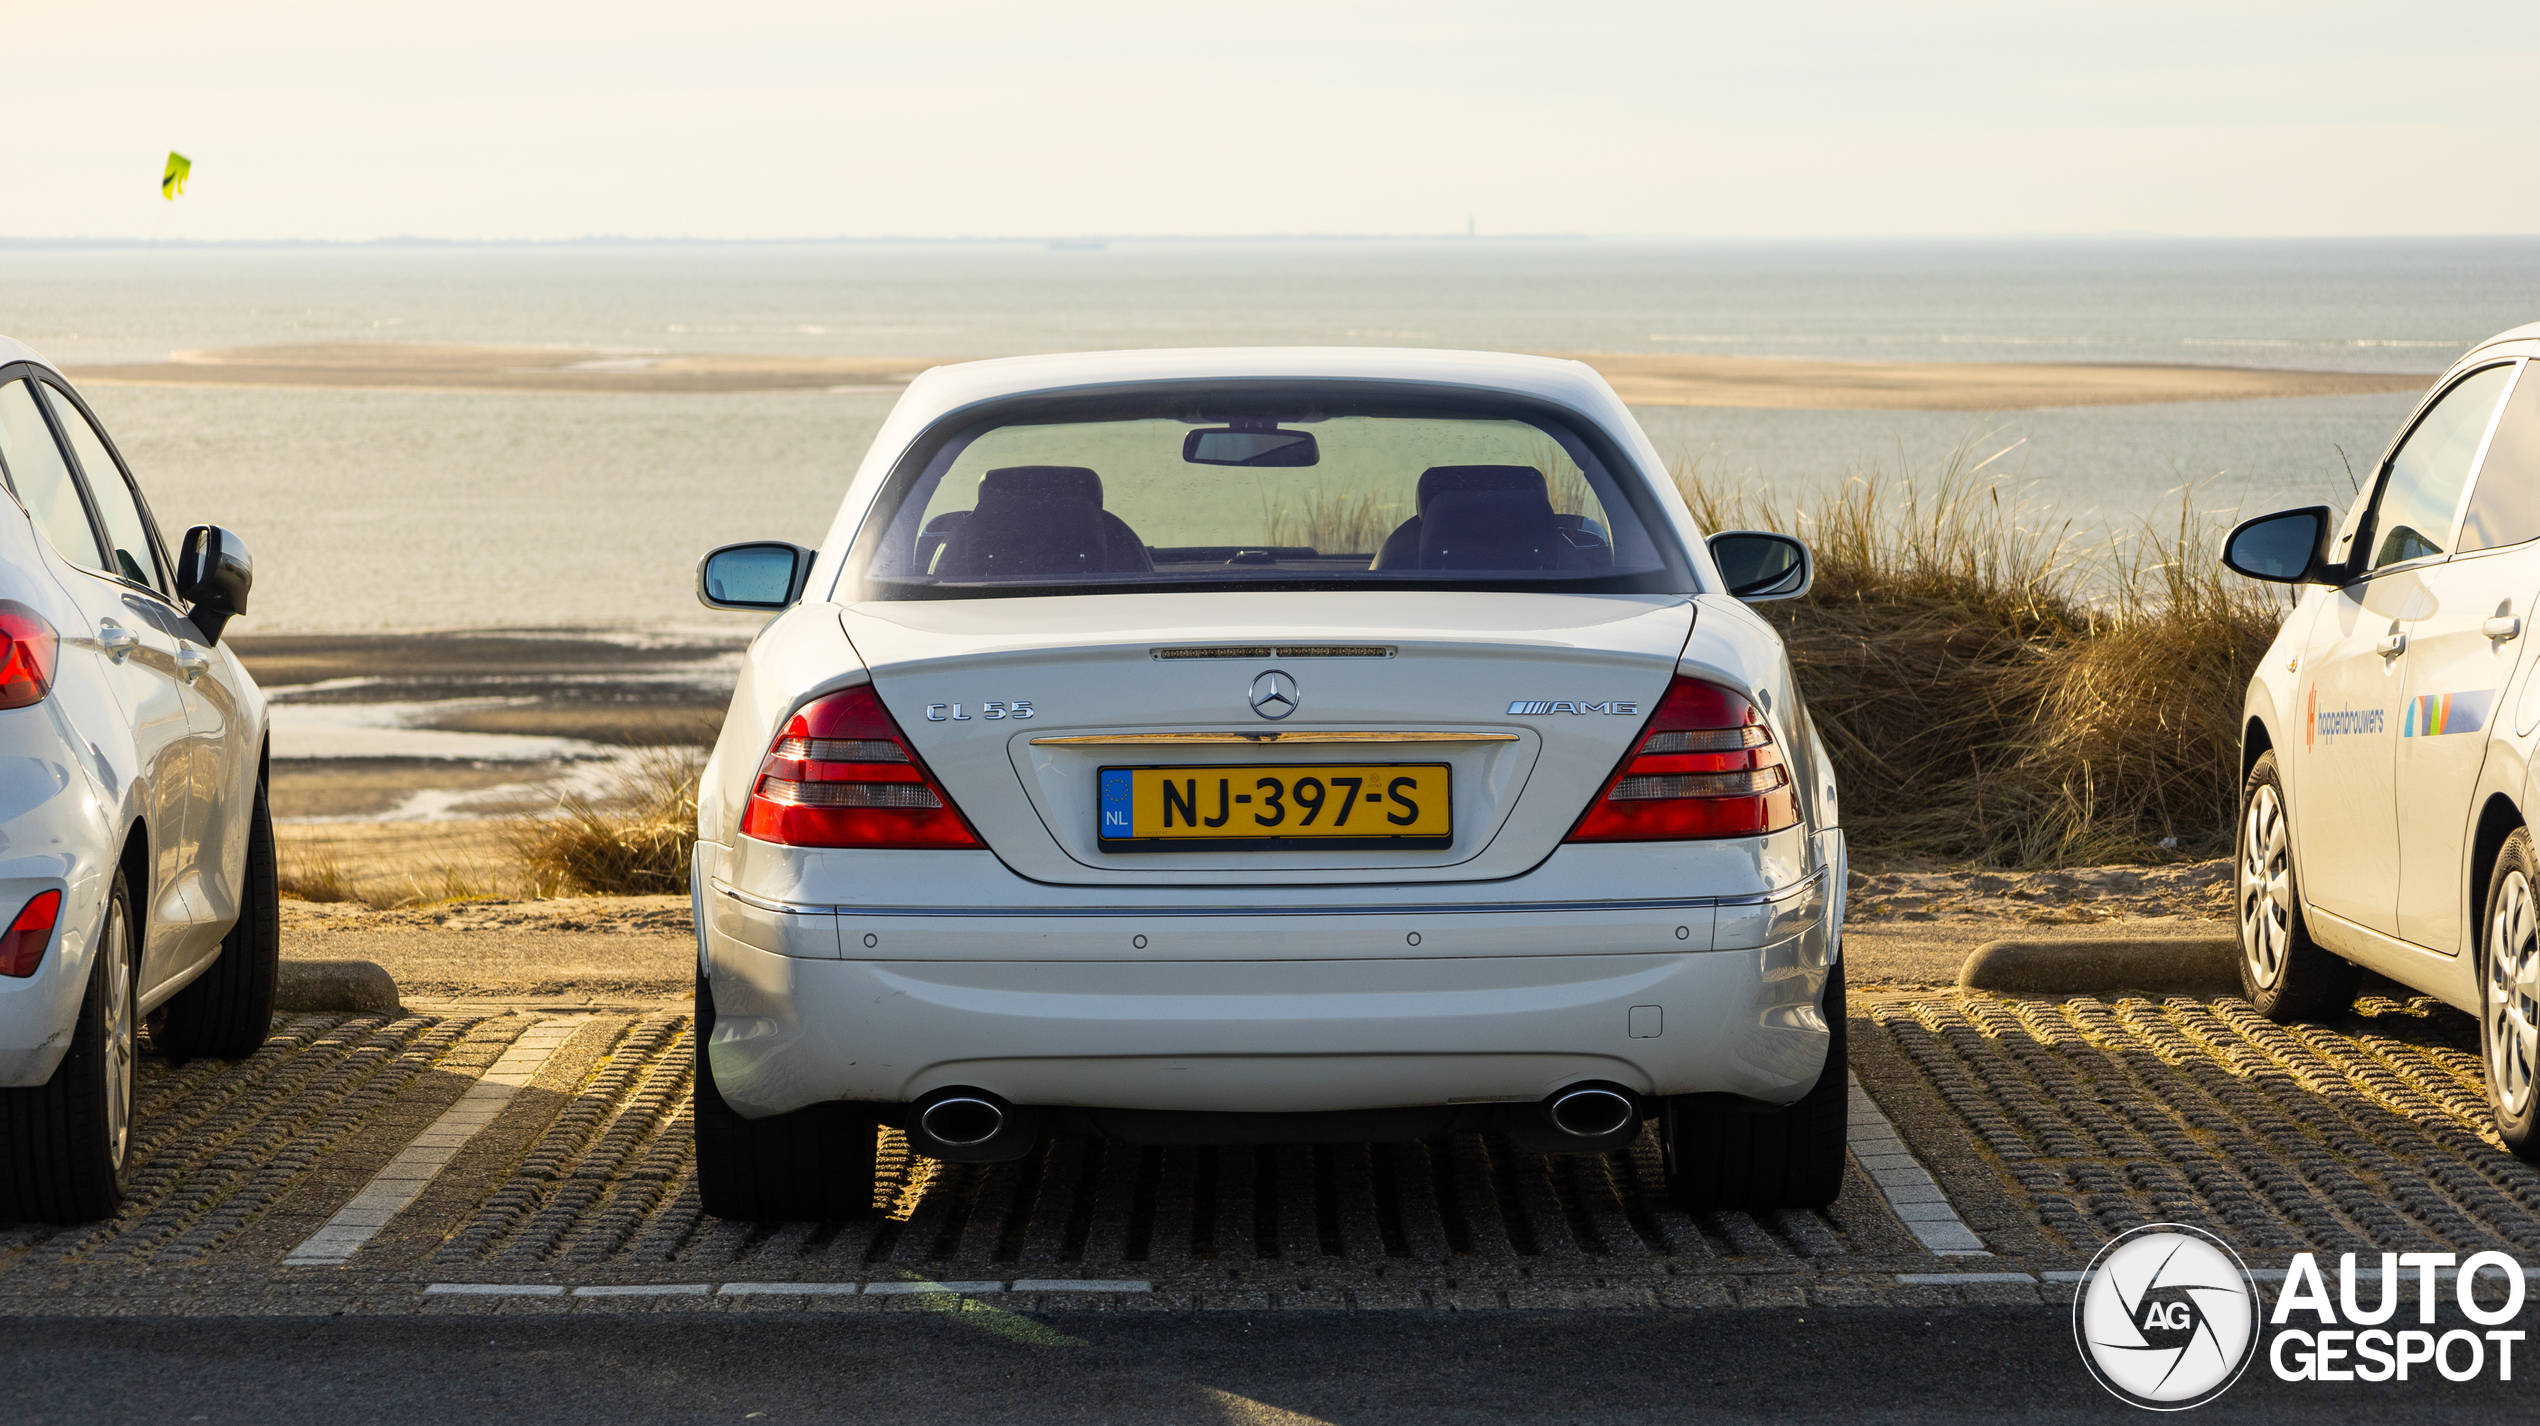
793	1289
1912	1193
414	1168
1955	1279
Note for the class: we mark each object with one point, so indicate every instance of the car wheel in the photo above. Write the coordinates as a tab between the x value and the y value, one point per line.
2283	972
63	1143
813	1165
1786	1158
227	1012
2509	994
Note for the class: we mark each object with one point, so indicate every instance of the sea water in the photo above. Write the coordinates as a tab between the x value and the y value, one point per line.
415	509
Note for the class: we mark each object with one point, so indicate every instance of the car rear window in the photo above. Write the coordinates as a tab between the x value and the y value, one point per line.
1308	498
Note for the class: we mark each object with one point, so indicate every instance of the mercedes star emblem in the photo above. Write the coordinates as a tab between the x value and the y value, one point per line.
1274	695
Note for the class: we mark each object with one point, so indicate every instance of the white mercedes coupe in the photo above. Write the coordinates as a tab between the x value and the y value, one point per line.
1280	745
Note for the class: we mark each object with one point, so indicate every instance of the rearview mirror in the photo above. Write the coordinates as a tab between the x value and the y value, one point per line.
1758	565
1240	445
2288	547
213	573
765	575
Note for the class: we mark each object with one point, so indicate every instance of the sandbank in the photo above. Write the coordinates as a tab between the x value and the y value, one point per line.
1643	379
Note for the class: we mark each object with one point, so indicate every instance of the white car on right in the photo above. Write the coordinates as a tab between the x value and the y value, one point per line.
2387	736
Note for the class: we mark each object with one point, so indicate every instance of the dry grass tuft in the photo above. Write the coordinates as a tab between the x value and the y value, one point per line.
315	877
635	841
1989	695
316	880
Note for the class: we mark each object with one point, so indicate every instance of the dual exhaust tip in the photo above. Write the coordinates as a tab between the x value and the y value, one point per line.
961	1124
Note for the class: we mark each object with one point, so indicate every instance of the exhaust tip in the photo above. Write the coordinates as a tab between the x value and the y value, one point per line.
1593	1113
961	1121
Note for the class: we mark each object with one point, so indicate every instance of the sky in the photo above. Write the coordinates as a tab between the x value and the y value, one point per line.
480	119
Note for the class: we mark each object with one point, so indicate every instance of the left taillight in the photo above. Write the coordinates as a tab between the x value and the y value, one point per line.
842	775
1705	766
22	945
28	651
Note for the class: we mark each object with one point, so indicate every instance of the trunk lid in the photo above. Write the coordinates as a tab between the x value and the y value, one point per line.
1528	700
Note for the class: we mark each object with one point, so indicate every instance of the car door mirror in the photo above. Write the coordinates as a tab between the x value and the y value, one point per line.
214	573
765	575
1758	565
2288	547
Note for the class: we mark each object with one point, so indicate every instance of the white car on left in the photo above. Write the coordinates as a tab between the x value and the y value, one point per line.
136	852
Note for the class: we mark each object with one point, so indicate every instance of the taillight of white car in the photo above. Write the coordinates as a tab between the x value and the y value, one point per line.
22	945
1706	766
28	649
841	775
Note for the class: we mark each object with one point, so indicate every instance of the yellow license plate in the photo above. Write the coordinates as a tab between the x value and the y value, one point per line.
1395	806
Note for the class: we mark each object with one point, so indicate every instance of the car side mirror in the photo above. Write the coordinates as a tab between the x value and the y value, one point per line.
765	575
1759	565
214	573
2288	547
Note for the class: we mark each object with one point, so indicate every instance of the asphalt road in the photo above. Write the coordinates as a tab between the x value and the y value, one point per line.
1850	1365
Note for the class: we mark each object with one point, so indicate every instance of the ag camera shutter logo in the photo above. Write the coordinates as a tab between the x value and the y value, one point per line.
2167	1317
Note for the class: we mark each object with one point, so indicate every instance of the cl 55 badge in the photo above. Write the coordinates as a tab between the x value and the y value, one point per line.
1525	708
990	711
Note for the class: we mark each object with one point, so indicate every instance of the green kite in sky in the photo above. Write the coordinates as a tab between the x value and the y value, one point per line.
174	183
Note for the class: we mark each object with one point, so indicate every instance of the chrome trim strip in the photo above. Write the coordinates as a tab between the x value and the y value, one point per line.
1480	908
1134	740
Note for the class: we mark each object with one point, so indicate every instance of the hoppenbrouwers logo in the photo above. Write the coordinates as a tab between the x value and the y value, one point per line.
2167	1317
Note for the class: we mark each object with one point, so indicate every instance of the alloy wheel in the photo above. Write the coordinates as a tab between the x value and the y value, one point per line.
2512	1000
2266	887
120	1032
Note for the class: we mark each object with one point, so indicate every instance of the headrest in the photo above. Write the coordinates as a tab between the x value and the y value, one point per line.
1041	485
1439	479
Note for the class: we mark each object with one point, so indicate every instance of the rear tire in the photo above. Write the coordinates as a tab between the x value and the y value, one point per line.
227	1012
1786	1158
2509	995
2285	974
64	1143
813	1165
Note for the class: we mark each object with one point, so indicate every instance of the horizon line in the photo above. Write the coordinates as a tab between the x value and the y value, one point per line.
1095	241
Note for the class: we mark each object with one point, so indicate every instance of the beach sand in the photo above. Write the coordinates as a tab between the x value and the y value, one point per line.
1642	379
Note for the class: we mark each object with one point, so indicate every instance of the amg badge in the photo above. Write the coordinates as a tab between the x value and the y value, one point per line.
1528	708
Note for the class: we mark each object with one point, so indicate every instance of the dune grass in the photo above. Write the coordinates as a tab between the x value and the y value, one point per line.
314	878
633	840
1991	693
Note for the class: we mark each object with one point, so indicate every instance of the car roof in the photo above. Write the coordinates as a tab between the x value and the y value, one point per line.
11	349
948	388
2528	331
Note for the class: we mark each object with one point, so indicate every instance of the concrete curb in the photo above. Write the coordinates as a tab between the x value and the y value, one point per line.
2096	965
356	987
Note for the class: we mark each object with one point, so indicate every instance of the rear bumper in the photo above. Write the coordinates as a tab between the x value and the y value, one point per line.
1221	1010
55	835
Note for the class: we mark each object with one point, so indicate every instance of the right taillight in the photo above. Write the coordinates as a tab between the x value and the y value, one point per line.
1705	766
22	945
28	649
841	775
